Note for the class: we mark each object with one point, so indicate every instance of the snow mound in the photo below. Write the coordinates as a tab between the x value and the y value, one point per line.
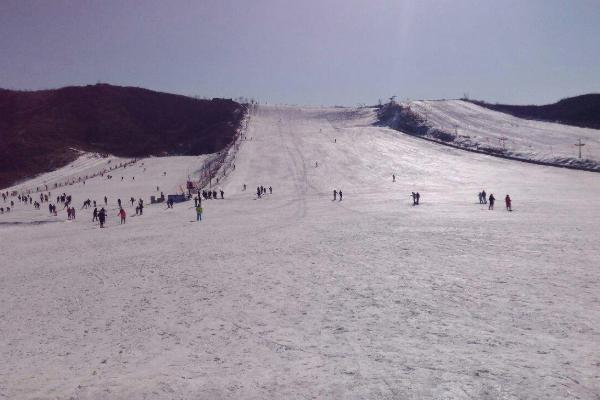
466	125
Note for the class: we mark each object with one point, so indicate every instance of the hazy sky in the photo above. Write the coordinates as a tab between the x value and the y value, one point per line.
308	51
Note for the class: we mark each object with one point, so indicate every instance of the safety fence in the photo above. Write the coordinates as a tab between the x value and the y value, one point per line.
219	165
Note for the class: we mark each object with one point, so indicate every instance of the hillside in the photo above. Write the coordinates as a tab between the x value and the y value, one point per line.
468	126
582	111
44	130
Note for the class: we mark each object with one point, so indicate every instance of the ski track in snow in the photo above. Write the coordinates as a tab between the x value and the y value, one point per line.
296	296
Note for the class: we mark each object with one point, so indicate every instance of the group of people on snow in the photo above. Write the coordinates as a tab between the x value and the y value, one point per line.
261	190
102	214
491	200
416	197
212	194
70	213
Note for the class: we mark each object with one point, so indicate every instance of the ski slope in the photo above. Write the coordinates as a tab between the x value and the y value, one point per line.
528	139
296	296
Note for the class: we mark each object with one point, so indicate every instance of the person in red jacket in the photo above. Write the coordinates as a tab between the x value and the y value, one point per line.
508	202
123	215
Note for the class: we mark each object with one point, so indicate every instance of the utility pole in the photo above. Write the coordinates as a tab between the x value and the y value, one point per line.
502	140
580	145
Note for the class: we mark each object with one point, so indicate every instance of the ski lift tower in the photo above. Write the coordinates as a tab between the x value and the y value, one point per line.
579	145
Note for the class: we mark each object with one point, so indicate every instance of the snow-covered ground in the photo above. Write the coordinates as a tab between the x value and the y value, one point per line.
529	139
295	296
87	164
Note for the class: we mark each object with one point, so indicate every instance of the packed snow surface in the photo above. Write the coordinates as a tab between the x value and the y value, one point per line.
297	296
536	140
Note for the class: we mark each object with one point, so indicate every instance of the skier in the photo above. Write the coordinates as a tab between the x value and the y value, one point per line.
340	195
492	199
393	177
102	217
484	196
258	191
418	198
480	198
119	202
123	215
131	199
199	213
244	187
270	190
222	193
414	197
141	205
334	194
508	202
105	201
95	215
